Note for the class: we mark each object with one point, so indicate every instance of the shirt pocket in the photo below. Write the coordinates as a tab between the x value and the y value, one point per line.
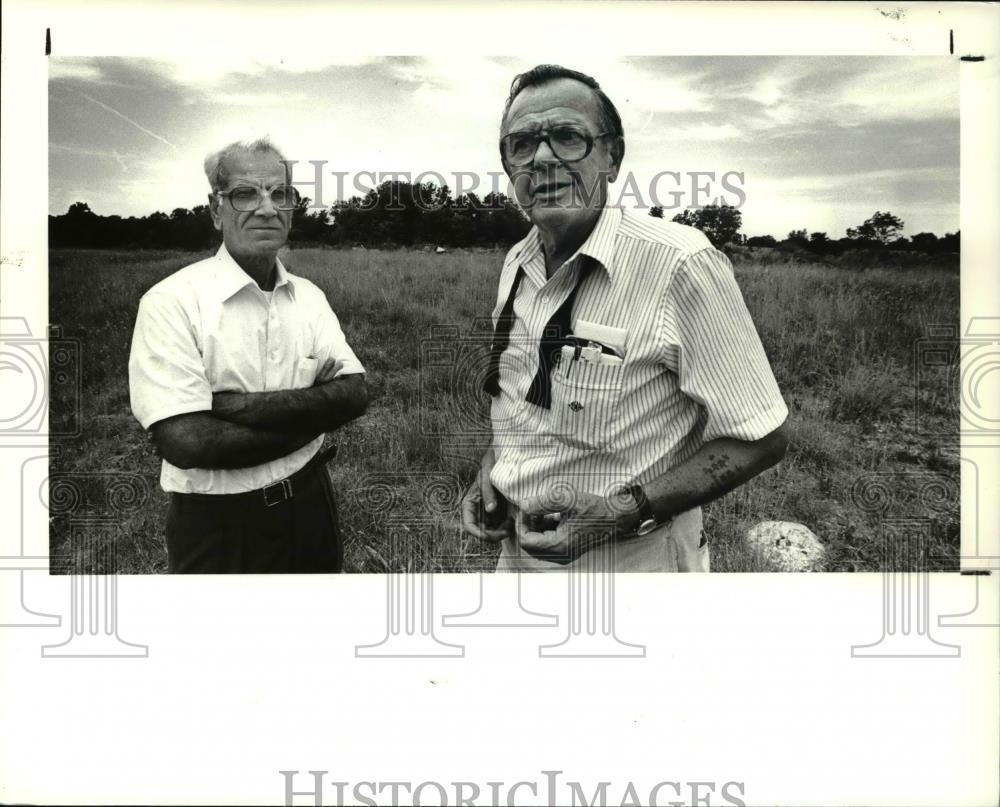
305	372
585	401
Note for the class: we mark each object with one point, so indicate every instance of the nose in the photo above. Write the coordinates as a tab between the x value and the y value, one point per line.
544	153
266	206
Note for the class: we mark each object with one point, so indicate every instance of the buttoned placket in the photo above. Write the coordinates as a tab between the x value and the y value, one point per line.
272	342
557	288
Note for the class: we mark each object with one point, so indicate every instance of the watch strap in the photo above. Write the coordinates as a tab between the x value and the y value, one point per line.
647	519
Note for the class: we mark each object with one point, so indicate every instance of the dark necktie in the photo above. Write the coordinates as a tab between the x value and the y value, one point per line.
554	336
501	338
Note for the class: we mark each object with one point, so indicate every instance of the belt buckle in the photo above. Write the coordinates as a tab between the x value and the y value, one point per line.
285	486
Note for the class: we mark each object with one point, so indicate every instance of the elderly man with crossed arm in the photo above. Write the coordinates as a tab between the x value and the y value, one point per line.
238	368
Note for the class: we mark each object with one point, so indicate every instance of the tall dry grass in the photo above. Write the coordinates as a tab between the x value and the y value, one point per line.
840	341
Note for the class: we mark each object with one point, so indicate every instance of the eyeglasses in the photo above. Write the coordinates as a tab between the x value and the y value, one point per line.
567	143
247	197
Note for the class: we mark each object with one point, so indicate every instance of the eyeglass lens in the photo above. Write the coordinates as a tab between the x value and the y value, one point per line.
247	197
566	143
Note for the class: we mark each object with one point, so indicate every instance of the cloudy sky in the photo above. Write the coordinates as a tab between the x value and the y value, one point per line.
821	142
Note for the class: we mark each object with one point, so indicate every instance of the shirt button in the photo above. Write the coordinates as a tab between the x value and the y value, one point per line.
576	406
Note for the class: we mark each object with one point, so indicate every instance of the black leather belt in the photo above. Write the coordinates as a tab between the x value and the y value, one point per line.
276	492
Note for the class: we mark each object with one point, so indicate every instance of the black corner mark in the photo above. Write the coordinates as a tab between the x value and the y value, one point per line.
976	572
966	58
48	41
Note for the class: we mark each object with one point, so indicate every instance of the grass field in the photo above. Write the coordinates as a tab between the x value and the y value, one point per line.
841	342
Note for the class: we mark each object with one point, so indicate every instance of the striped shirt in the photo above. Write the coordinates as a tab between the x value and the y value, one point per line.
692	368
209	328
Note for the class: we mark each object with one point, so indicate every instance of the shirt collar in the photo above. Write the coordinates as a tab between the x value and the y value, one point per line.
600	244
531	249
230	277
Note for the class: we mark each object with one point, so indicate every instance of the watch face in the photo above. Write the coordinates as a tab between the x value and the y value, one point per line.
646	527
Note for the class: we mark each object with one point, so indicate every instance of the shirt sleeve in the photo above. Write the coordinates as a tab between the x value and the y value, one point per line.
720	361
331	344
166	373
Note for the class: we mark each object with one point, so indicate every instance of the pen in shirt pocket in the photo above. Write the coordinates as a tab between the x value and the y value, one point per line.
590	351
577	350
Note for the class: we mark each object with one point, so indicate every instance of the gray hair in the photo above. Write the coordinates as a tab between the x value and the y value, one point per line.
215	163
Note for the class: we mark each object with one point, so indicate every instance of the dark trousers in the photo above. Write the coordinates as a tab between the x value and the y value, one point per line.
241	533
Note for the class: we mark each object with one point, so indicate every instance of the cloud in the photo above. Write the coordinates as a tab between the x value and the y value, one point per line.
128	120
104	155
73	69
254	99
820	139
708	132
216	66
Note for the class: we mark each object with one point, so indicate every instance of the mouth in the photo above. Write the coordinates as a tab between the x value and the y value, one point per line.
548	189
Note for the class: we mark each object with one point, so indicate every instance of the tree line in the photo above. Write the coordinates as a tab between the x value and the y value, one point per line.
394	214
403	214
882	231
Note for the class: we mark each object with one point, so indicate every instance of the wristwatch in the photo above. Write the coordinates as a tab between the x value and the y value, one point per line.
647	521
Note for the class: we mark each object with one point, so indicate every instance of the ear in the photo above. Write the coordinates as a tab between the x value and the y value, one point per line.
616	152
214	203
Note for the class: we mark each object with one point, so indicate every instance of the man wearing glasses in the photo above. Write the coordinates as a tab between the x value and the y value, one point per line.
628	383
238	368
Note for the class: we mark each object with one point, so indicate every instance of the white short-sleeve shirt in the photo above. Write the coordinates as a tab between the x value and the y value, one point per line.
209	328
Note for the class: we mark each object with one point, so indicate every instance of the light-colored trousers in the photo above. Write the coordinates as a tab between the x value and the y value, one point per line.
673	547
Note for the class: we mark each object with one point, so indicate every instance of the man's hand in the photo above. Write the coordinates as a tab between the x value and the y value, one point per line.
484	510
562	533
329	373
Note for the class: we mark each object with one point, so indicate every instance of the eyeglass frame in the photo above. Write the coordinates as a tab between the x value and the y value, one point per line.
262	193
543	136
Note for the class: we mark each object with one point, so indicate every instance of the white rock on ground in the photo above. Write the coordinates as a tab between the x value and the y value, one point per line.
788	546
